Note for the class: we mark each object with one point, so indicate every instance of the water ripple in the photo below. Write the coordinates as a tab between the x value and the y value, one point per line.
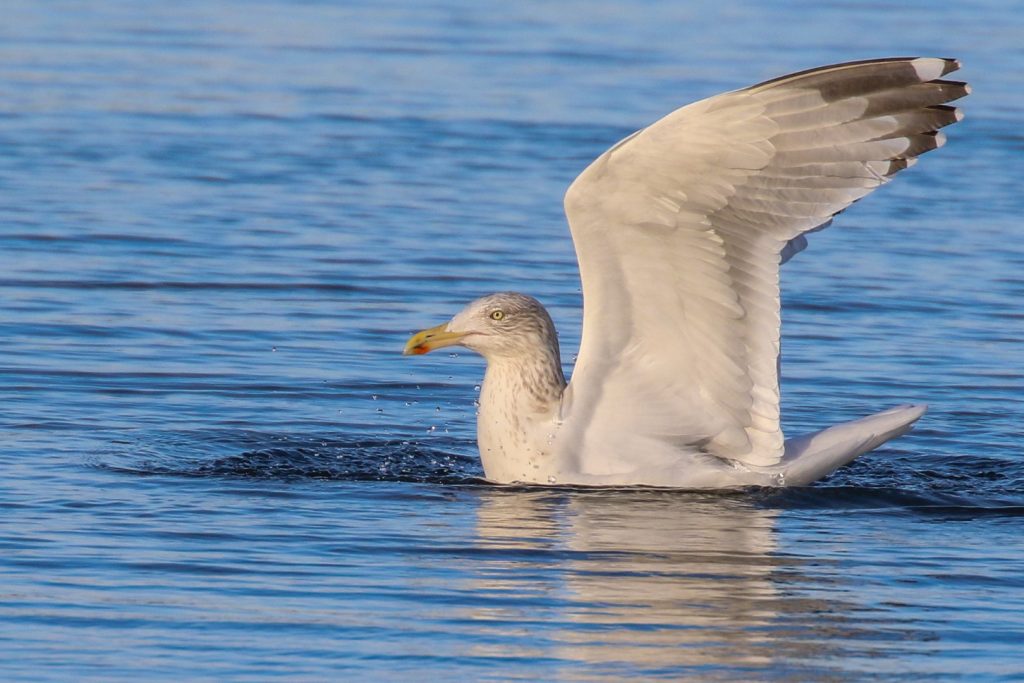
222	220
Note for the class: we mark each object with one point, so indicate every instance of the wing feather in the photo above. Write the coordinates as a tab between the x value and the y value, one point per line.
680	230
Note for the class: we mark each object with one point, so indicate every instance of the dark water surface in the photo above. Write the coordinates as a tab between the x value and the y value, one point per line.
220	221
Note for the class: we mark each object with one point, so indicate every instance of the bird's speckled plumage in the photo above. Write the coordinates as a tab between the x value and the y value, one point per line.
680	230
523	386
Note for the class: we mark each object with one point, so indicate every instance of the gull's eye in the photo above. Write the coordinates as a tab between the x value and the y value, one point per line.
497	315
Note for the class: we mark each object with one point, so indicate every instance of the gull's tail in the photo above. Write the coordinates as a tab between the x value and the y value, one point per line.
813	456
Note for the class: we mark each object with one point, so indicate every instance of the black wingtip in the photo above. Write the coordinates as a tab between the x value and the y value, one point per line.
951	64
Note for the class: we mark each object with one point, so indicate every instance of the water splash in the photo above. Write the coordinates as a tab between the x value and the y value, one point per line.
883	480
264	456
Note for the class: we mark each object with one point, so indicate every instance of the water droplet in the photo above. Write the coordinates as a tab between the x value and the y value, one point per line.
380	410
273	349
551	479
373	396
437	409
476	387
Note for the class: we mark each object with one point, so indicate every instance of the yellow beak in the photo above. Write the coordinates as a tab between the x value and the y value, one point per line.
434	338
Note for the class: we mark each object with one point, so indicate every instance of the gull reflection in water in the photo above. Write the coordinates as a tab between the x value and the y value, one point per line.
627	582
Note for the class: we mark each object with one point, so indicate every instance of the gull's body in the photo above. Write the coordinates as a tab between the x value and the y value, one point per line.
680	230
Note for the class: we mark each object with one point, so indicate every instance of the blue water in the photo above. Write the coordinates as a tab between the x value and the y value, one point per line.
220	221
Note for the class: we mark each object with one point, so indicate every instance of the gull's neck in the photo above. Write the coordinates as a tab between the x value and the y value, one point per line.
519	406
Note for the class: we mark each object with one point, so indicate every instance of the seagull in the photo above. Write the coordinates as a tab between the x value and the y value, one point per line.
680	230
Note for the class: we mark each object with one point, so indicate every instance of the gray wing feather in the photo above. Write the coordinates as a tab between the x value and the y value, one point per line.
680	230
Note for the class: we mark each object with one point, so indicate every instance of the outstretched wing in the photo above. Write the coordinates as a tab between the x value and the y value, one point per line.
680	230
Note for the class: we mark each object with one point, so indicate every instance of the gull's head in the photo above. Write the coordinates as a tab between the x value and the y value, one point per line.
506	324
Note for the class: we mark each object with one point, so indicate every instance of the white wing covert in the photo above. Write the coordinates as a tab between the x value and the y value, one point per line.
680	230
